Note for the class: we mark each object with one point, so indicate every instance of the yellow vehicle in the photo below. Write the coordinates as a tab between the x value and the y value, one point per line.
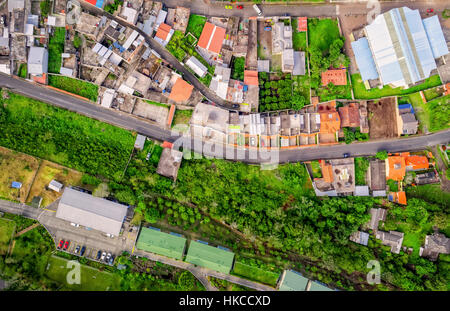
228	7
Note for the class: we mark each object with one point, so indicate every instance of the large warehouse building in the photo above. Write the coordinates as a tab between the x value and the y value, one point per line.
400	48
92	212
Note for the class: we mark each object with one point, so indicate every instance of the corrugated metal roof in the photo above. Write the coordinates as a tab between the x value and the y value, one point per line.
161	243
90	211
435	36
210	257
364	59
293	281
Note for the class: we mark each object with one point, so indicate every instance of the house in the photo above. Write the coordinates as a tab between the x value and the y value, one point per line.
15	4
37	61
181	91
129	14
376	215
335	76
92	212
349	115
330	122
394	239
197	66
140	142
251	77
395	168
403	47
164	34
169	163
211	38
219	82
398	197
416	163
360	237
108	97
435	244
427	178
287	60
409	123
55	186
282	44
299	64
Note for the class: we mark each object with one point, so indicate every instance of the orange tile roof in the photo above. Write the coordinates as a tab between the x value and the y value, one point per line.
447	88
181	91
163	31
314	100
93	2
329	122
211	38
396	168
171	114
416	162
327	172
398	197
349	115
250	77
336	76
167	144
302	24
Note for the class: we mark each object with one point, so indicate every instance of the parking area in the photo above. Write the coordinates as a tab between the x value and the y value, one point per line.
89	251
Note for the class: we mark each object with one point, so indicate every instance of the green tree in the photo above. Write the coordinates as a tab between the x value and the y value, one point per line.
382	155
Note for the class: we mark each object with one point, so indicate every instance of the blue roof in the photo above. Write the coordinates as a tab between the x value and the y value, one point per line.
406	106
99	4
364	59
435	36
16	184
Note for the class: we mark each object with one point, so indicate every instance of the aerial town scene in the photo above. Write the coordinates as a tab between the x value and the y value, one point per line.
207	145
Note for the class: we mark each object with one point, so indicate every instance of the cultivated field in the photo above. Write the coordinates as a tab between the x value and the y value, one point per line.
15	166
45	174
383	118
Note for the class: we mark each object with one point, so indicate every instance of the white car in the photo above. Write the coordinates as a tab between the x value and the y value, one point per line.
256	8
108	257
103	256
74	224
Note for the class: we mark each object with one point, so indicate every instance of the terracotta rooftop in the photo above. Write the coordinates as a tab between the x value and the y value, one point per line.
250	77
395	168
349	115
181	91
397	197
336	76
302	24
211	38
329	122
416	162
327	172
163	31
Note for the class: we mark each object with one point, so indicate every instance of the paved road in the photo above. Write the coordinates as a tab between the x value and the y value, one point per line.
130	122
167	56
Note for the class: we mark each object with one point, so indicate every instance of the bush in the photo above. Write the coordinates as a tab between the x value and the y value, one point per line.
75	86
238	68
382	155
90	180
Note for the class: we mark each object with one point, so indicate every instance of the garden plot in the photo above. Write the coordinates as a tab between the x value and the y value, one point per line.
383	121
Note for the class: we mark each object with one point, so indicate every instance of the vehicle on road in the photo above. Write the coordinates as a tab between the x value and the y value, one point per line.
252	141
83	249
346	155
99	254
66	246
108	257
240	7
235	106
111	260
228	7
103	256
77	249
256	8
74	224
430	10
61	243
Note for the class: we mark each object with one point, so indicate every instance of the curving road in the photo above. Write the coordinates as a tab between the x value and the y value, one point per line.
253	156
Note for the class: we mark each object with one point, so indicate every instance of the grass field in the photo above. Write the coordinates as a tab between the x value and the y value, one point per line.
316	170
63	136
298	38
156	104
55	49
360	91
15	166
91	278
74	86
255	274
195	25
361	167
430	193
48	171
322	32
182	117
6	231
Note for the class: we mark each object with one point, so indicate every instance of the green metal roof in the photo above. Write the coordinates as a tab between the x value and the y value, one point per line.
210	257
161	243
293	281
318	287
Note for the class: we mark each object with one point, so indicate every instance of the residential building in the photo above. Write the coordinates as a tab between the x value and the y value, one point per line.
169	163
251	77
197	66
394	239
219	83
360	237
211	38
181	91
37	61
349	115
435	244
408	120
164	34
395	168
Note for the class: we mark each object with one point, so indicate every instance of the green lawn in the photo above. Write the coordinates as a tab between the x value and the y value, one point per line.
298	38
23	70
237	69
6	230
431	94
361	167
91	278
156	104
64	137
303	86
322	32
195	25
74	86
439	113
255	274
316	170
55	49
361	92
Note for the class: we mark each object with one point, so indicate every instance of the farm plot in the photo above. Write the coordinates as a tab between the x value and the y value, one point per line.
383	118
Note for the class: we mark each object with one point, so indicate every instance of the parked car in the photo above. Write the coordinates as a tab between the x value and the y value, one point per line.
103	256
108	257
430	10
74	224
77	249
235	106
228	7
66	246
61	244
83	249
252	141
99	254
256	8
346	155
240	7
111	260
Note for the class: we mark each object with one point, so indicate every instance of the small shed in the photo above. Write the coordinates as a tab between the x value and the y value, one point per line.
16	185
140	142
55	186
36	202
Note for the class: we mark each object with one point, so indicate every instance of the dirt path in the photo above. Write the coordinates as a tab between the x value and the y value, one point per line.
27	229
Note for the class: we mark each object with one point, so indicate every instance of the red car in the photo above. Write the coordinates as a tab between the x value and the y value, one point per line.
66	245
61	243
240	7
430	10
